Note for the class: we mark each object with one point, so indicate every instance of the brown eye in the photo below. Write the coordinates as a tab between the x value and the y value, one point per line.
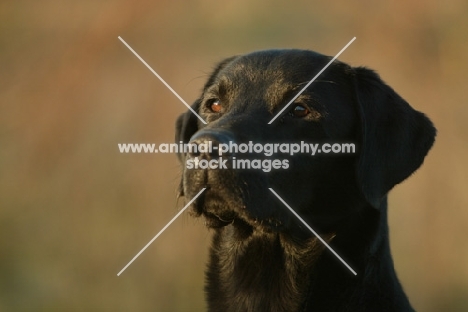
215	106
299	111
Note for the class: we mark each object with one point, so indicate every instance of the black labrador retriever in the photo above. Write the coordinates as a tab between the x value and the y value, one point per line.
262	258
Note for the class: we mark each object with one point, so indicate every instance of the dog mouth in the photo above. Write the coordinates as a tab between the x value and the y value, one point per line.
211	207
219	211
219	220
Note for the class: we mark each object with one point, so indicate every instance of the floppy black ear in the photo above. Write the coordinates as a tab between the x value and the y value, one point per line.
186	126
187	123
395	137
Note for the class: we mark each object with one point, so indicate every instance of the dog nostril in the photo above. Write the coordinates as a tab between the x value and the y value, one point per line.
198	148
194	154
206	148
194	150
206	144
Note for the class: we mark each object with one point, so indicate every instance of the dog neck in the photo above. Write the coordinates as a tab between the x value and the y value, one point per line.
254	270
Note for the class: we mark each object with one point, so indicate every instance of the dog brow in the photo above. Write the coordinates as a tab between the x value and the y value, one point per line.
310	82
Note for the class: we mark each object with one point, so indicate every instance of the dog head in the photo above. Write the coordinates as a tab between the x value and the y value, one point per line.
343	105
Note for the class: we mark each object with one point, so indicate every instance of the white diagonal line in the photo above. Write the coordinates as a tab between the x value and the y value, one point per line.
160	232
307	85
162	80
312	230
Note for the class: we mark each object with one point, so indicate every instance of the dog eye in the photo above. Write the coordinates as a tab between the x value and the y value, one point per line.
299	111
215	106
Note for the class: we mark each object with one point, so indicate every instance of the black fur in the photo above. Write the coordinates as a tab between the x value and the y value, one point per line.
262	258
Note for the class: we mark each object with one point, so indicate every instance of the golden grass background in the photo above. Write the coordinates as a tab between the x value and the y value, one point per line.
73	211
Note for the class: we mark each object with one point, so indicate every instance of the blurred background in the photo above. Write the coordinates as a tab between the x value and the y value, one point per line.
73	211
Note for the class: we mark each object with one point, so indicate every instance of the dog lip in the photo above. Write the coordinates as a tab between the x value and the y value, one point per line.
221	218
214	220
217	214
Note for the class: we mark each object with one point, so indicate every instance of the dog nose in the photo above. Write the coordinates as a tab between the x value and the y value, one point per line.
208	143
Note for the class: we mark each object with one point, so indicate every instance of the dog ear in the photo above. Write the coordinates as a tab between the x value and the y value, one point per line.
186	126
395	137
187	123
